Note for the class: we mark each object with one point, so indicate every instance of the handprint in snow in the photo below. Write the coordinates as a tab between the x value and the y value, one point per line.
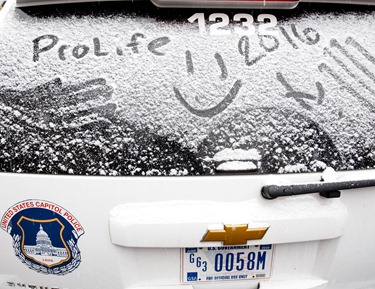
54	106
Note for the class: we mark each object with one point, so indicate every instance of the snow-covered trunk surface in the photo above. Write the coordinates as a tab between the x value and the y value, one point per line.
133	90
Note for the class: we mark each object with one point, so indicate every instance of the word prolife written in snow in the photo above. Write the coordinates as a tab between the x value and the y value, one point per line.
48	42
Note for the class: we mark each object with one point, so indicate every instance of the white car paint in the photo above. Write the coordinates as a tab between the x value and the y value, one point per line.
135	227
343	259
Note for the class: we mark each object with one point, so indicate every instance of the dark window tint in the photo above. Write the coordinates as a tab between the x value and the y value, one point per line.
129	89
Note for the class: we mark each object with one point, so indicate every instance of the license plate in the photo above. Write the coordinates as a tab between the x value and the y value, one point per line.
226	263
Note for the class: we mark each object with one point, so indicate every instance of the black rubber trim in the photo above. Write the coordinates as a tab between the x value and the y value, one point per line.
326	189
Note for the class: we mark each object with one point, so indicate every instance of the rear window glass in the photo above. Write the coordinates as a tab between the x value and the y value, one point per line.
130	89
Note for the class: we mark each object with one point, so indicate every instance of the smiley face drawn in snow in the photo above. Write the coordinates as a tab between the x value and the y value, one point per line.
215	108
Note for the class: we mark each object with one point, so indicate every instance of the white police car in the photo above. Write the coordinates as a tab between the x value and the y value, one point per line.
187	145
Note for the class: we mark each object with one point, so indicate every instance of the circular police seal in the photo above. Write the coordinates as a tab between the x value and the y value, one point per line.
45	236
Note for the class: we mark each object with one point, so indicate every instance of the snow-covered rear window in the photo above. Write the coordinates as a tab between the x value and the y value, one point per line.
129	89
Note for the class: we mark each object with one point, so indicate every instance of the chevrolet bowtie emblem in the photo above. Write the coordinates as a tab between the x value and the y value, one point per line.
235	234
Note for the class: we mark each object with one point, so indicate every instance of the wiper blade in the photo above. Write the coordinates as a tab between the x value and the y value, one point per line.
325	189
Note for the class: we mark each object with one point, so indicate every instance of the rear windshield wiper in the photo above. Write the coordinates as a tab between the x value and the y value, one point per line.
325	189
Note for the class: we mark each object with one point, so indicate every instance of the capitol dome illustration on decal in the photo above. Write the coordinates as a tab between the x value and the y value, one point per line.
47	245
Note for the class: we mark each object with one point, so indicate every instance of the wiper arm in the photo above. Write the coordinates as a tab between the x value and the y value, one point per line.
325	189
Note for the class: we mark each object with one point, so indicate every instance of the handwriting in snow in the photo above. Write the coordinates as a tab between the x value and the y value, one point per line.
269	44
46	43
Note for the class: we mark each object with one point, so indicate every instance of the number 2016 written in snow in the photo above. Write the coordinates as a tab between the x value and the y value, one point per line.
245	24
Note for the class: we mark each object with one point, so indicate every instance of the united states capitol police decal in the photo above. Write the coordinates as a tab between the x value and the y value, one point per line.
45	236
